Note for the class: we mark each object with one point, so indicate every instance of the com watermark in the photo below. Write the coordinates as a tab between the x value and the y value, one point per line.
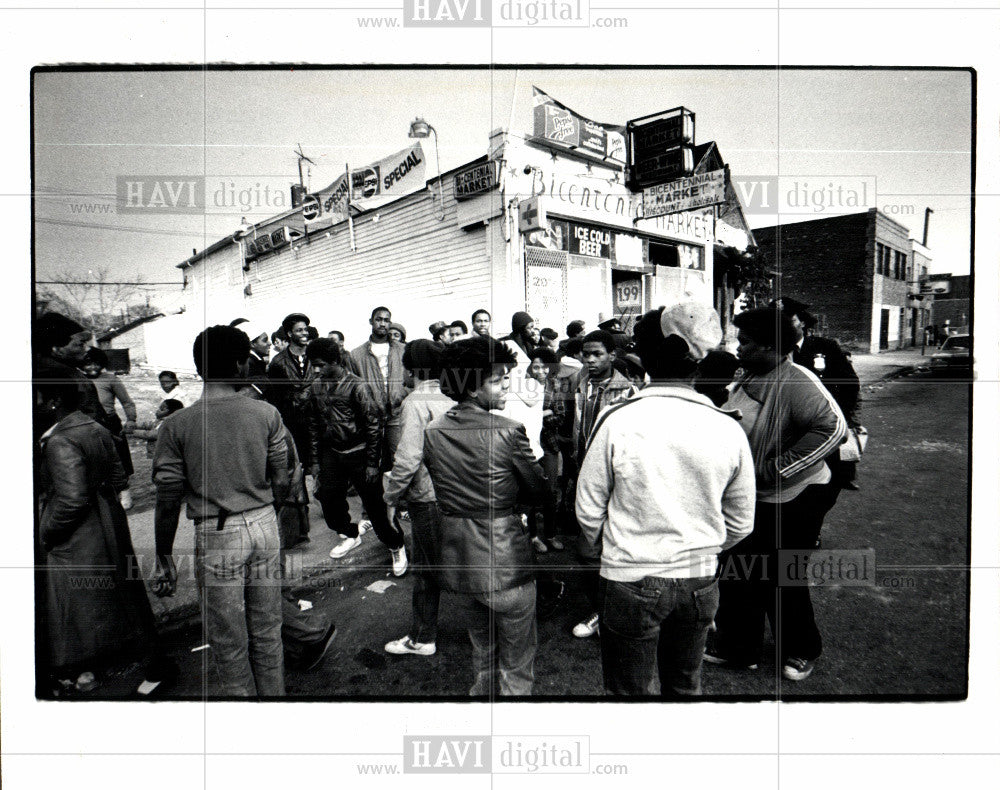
806	195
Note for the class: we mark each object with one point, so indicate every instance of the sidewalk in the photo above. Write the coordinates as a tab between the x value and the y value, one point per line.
889	364
307	566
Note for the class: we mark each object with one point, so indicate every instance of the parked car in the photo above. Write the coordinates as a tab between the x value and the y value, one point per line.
954	356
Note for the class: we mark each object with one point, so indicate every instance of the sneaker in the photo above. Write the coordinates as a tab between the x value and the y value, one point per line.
363	526
399	561
711	657
557	544
407	647
797	668
346	545
313	654
539	545
588	627
125	497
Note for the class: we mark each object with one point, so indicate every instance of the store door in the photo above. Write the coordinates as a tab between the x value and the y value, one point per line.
628	293
883	331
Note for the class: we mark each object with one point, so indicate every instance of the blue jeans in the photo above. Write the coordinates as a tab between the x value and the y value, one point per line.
239	577
652	627
502	621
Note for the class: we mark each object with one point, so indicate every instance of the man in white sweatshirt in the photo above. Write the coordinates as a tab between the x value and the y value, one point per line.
667	483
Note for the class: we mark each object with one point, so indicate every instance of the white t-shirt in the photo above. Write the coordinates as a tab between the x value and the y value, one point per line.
381	352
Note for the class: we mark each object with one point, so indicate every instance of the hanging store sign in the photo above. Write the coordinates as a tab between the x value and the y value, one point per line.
556	124
697	191
531	215
658	147
476	180
662	167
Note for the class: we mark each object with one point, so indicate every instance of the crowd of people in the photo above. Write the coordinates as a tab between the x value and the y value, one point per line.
656	457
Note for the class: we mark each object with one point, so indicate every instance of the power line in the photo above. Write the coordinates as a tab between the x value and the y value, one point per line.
107	282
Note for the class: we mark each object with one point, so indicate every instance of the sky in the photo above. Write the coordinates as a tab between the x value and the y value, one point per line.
907	130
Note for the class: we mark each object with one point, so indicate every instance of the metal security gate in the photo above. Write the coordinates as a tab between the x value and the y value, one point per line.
546	287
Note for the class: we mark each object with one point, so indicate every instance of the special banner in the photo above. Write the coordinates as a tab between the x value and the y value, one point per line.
369	187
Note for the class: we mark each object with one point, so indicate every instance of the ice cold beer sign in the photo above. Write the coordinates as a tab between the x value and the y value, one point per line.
590	241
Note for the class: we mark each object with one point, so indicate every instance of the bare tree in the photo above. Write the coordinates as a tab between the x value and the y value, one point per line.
95	298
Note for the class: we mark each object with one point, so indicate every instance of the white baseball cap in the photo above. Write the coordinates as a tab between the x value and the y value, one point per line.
254	329
695	323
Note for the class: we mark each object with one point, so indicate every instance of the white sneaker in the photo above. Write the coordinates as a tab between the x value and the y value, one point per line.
399	561
363	526
346	545
407	647
588	627
125	497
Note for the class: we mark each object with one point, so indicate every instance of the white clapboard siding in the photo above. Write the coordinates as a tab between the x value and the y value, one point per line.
422	267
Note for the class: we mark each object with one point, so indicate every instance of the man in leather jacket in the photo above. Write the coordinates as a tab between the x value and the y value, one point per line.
290	374
344	445
481	464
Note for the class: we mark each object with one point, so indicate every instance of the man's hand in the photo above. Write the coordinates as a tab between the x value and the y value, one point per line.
371	474
390	512
314	472
165	580
129	427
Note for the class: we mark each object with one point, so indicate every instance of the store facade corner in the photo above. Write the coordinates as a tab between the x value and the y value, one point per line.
524	227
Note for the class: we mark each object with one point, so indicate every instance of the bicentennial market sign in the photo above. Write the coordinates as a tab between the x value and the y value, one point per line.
691	192
476	180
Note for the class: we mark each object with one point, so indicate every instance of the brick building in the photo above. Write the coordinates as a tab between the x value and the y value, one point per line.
859	273
954	304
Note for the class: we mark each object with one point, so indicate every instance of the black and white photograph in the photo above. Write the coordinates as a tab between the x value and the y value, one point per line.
477	415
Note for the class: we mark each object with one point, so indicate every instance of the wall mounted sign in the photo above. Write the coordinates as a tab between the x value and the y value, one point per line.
476	180
691	192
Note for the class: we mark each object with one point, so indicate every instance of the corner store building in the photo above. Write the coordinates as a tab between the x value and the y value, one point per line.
434	256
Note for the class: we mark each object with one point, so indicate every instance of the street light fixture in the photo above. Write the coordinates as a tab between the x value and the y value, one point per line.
420	129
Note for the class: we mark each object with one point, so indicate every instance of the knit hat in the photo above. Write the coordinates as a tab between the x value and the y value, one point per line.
399	328
695	323
519	321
